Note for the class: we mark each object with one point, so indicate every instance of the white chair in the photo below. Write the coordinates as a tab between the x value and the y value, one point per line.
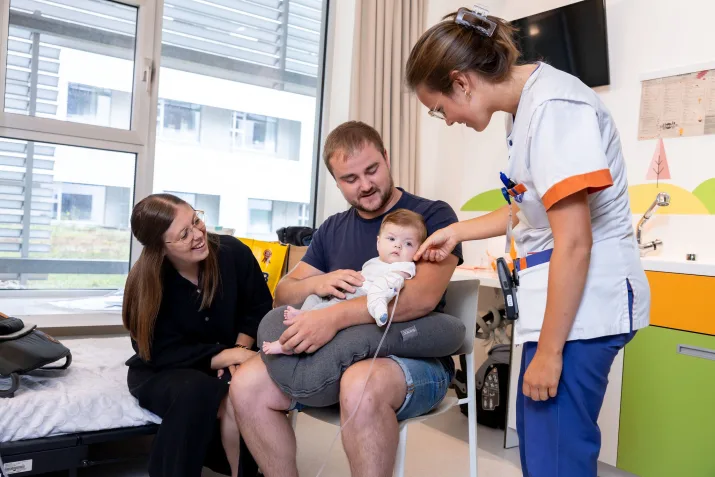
462	301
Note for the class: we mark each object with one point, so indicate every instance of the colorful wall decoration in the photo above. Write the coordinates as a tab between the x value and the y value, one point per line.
700	201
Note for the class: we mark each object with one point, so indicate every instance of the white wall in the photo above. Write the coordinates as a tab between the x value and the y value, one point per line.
643	36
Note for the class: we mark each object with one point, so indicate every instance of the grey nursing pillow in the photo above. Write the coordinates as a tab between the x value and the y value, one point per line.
314	379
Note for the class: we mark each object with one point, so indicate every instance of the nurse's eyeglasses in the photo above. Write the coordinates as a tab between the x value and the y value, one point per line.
188	233
437	112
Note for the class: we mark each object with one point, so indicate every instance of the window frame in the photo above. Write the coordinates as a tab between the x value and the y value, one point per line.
137	134
141	138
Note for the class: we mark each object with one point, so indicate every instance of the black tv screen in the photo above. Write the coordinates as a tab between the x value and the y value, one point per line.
571	38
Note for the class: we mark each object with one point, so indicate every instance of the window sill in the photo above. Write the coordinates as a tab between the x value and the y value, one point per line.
41	312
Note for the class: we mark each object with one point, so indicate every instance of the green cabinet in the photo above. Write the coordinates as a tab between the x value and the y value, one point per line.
667	423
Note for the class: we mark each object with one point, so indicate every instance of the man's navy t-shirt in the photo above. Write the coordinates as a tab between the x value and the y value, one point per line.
346	241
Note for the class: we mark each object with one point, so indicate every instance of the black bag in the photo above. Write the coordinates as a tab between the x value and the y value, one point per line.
298	236
23	348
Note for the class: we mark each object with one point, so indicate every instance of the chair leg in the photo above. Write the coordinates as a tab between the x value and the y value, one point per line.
472	412
293	419
401	451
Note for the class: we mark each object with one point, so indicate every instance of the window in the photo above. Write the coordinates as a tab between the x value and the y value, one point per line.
265	217
303	215
238	104
253	71
59	234
76	207
178	120
260	216
66	58
254	131
89	105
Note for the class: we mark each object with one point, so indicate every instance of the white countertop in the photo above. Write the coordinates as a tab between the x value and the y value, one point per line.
487	278
669	265
653	264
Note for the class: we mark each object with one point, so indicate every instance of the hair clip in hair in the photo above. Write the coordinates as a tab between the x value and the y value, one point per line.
477	18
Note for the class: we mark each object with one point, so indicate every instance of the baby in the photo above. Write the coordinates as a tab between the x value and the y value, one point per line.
401	234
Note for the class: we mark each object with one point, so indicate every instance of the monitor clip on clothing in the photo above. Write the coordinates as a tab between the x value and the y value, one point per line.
508	284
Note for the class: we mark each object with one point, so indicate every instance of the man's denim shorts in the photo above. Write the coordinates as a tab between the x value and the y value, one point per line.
427	384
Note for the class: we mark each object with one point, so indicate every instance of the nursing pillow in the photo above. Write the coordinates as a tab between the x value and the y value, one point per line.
314	379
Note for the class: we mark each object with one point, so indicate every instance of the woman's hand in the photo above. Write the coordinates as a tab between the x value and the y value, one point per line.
541	379
232	369
438	246
231	357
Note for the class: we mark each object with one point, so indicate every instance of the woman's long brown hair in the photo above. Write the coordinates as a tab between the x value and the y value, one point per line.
143	292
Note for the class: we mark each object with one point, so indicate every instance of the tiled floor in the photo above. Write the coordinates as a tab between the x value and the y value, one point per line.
436	448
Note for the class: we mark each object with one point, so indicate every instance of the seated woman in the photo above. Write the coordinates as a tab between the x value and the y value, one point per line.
192	305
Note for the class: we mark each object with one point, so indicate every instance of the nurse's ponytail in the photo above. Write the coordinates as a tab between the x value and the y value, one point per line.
450	46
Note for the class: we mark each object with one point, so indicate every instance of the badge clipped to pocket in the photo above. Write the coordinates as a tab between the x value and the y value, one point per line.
508	287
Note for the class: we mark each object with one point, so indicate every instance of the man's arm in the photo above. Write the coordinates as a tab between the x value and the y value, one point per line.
418	298
305	280
296	285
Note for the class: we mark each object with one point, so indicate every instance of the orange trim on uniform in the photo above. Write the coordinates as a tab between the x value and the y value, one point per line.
522	264
516	190
593	181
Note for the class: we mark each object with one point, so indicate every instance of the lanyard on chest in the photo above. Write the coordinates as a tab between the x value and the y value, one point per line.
508	278
511	191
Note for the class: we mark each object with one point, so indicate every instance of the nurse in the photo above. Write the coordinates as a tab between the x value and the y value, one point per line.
582	292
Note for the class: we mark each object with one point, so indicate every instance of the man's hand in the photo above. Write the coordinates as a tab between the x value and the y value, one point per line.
310	333
334	283
541	379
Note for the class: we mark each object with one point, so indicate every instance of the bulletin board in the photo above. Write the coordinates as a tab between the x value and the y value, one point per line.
675	106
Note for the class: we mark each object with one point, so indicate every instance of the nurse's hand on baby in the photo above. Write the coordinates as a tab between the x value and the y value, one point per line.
438	246
337	282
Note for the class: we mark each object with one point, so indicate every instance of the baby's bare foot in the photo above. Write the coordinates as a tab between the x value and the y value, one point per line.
274	347
290	313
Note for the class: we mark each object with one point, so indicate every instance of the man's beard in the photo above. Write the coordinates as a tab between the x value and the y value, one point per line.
385	196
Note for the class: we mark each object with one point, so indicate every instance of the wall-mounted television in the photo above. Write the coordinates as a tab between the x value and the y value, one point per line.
572	38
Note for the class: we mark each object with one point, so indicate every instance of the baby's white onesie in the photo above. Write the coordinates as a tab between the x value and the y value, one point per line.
382	282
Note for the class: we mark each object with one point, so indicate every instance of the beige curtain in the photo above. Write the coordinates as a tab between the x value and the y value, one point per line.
385	31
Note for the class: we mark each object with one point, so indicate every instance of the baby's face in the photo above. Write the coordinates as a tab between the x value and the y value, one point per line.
397	244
